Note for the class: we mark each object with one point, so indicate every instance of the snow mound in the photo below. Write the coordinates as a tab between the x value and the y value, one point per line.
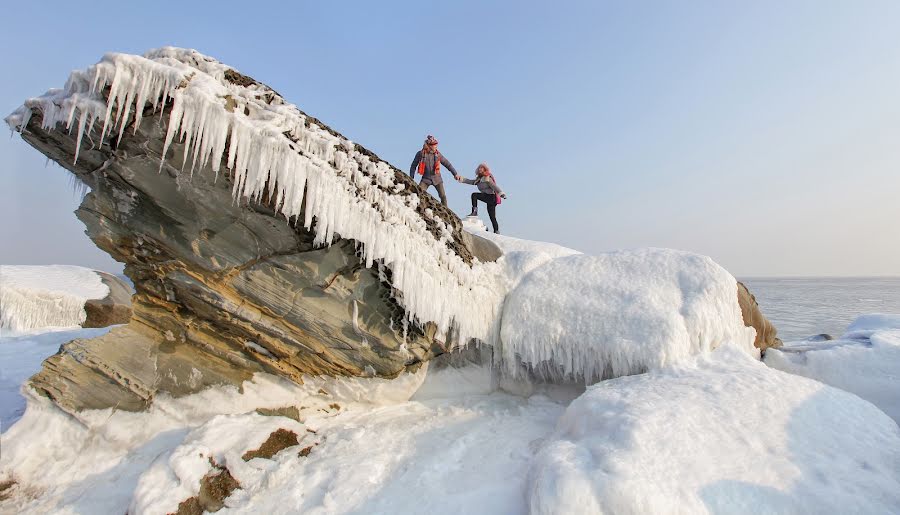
40	297
720	434
865	361
867	325
620	313
314	176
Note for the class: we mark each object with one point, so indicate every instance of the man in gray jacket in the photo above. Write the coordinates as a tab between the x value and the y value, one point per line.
428	163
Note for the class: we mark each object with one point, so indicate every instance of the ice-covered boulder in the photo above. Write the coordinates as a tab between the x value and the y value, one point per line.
619	313
257	238
720	433
60	296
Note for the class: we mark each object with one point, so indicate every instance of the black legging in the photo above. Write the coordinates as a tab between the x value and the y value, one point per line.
491	201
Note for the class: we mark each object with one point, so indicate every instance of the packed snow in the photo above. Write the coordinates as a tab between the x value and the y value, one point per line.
864	361
40	297
720	433
620	313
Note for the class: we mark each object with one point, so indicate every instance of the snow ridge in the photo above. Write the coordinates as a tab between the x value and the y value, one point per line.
274	150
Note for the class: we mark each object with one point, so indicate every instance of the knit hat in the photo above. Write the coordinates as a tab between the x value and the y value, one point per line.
431	140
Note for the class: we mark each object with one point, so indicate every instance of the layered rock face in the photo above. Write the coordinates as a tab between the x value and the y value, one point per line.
225	286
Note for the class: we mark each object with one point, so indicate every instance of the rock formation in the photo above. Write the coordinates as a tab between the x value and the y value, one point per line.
258	238
225	287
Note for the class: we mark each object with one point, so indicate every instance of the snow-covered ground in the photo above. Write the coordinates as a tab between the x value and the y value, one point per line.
864	361
41	297
717	433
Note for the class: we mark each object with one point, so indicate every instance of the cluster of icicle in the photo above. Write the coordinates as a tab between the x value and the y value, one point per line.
248	126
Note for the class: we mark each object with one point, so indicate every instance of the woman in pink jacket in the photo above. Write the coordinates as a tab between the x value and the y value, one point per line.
488	192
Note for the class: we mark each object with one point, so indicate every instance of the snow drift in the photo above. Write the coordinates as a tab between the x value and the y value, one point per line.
39	297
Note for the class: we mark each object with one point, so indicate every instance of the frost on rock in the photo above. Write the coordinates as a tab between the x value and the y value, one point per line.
619	313
37	297
312	175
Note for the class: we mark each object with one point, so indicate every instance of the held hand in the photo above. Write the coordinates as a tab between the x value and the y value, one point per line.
459	178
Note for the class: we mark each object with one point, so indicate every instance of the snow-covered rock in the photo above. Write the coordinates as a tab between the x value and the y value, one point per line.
864	361
59	296
722	433
290	250
620	313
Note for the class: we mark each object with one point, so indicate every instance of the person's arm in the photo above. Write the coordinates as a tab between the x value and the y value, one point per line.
497	188
448	165
466	181
415	163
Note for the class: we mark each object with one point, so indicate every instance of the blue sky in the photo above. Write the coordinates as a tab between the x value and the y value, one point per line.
764	134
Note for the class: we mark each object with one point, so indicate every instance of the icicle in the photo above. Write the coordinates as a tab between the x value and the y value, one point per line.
355	197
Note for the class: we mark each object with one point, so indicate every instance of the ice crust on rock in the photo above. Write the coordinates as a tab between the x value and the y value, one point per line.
274	150
620	313
39	297
720	433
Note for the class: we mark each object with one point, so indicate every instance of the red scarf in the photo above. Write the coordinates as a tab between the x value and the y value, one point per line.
437	163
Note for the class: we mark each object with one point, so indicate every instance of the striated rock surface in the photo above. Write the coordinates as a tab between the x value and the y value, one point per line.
225	286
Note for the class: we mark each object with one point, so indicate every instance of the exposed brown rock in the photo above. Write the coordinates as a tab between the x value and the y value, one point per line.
215	487
279	440
753	317
114	309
